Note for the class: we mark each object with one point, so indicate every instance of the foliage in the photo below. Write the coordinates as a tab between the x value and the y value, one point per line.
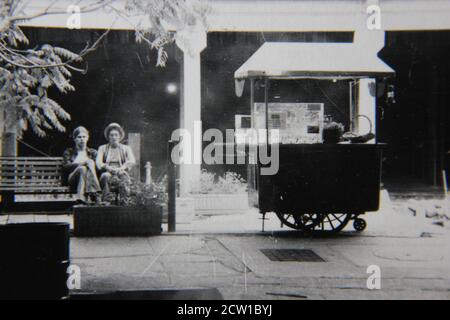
229	183
27	73
334	126
137	193
164	16
26	76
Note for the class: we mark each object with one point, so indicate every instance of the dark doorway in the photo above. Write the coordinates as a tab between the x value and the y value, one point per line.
227	51
122	85
415	125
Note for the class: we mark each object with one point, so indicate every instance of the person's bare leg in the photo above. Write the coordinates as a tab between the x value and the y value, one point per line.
78	177
104	184
92	182
81	189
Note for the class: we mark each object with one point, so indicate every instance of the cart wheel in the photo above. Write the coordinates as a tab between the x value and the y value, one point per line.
359	224
333	222
316	222
304	222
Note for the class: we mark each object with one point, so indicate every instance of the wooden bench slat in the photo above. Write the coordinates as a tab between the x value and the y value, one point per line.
28	164
16	168
27	168
29	174
30	161
36	189
20	177
31	158
26	160
32	175
41	190
32	180
30	183
46	189
33	186
12	160
22	163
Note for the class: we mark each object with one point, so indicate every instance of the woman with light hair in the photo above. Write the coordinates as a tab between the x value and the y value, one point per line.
79	167
115	160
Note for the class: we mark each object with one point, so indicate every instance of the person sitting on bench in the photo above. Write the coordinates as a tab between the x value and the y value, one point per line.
79	168
115	160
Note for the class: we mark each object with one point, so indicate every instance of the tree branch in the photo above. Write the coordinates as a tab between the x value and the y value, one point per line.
67	63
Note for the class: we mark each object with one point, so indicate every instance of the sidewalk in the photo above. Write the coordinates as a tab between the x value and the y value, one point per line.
412	266
224	252
393	218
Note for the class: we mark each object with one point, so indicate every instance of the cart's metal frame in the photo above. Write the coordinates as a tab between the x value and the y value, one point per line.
317	220
330	61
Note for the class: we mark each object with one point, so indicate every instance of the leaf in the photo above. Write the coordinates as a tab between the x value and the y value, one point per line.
41	91
46	82
162	58
65	71
67	54
19	35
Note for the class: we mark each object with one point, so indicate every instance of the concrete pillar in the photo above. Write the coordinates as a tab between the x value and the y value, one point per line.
367	106
370	40
191	41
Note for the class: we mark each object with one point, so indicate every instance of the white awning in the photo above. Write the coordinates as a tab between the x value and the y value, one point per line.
290	60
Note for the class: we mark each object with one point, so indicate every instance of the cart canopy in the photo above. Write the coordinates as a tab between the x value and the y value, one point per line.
293	60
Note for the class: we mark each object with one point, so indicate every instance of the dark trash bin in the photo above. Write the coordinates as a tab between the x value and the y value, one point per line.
34	258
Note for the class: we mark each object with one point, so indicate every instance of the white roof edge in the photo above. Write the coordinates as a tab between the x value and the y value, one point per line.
312	60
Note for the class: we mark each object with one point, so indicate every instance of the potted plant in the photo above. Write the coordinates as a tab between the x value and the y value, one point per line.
332	132
137	214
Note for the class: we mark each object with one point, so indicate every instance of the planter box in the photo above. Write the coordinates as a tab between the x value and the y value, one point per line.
212	204
110	221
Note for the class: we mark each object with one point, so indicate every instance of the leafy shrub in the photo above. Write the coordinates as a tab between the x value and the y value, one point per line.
229	183
138	193
334	126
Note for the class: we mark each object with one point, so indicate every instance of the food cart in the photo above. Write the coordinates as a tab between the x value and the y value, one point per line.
319	187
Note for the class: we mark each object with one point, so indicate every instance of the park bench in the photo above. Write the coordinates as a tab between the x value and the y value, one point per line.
37	181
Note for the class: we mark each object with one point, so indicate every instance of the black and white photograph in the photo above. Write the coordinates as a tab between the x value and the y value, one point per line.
241	152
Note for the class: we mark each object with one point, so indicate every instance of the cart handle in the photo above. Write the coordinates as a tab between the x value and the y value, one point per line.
366	117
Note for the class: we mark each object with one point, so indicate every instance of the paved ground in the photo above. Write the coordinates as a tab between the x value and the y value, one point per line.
224	252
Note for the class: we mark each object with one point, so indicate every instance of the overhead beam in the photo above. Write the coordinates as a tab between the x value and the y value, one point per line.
283	15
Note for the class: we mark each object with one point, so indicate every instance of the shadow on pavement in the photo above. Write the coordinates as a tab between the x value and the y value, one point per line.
153	294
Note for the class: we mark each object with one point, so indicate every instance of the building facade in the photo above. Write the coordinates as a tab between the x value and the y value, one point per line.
204	61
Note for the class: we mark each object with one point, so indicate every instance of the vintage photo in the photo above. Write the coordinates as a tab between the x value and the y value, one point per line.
224	150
